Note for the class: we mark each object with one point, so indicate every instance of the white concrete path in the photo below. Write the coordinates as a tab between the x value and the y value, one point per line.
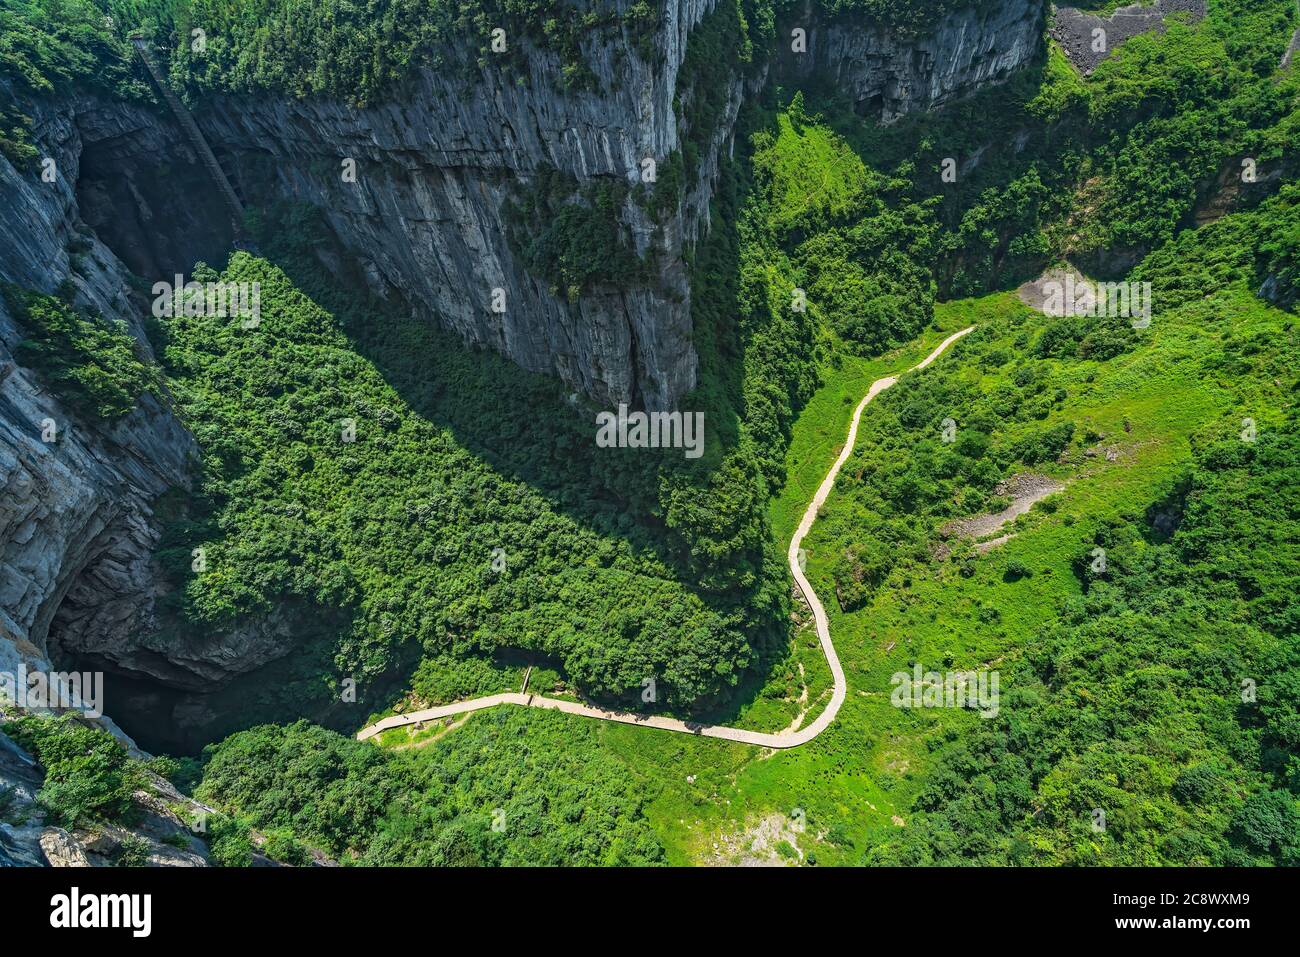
784	739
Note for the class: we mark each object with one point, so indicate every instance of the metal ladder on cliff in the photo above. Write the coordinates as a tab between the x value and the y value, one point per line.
196	138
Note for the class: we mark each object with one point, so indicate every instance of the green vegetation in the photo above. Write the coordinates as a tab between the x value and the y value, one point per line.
1126	703
1087	720
908	474
597	586
55	46
507	789
443	679
1098	171
88	776
572	237
356	51
1158	687
720	50
363	51
90	780
1148	725
92	364
134	852
390	539
862	255
1122	692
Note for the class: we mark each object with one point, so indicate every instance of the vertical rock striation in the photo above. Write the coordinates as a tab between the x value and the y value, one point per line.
425	220
888	75
77	525
424	217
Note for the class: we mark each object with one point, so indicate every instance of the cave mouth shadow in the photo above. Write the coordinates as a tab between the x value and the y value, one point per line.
158	213
164	719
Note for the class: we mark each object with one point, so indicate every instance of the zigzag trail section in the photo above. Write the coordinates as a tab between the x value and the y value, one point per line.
785	739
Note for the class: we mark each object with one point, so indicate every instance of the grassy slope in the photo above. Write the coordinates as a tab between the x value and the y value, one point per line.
688	815
1161	390
824	421
857	782
872	763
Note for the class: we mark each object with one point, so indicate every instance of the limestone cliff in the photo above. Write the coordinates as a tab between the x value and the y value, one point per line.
424	216
433	169
887	75
77	528
29	838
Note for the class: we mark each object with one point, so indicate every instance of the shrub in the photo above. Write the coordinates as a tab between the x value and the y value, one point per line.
1016	570
88	776
92	364
134	852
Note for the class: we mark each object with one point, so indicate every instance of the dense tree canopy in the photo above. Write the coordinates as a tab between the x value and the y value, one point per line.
510	788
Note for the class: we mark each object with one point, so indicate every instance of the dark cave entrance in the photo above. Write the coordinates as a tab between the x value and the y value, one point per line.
160	213
163	717
170	691
871	107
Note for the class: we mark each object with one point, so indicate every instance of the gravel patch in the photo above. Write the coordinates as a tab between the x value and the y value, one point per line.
1036	293
1072	28
1023	489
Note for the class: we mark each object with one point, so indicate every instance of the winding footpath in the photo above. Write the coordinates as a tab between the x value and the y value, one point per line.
785	739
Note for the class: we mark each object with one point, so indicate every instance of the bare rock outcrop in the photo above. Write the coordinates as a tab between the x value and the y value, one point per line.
889	74
61	849
79	521
434	167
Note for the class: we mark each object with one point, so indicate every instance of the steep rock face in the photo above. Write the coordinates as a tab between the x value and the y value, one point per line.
888	75
76	514
20	835
78	520
424	216
28	839
433	169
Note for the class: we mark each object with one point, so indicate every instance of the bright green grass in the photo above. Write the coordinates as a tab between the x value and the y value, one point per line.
815	174
869	764
773	702
736	784
824	422
816	441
